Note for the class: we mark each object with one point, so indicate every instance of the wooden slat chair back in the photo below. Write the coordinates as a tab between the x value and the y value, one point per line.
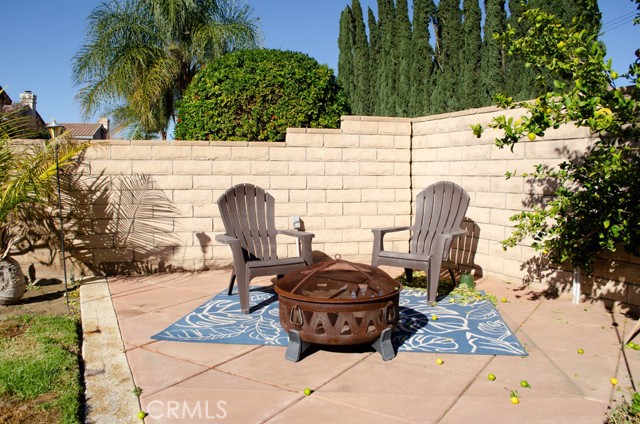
248	215
440	209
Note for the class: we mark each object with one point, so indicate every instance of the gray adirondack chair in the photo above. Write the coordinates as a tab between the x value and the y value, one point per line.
440	209
249	221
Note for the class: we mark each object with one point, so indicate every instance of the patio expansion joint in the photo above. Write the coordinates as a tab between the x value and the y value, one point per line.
622	356
395	418
465	388
568	378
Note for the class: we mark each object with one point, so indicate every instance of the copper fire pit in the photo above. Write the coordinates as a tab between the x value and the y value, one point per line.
338	303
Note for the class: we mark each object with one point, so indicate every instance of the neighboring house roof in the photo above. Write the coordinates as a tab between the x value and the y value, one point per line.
27	106
86	131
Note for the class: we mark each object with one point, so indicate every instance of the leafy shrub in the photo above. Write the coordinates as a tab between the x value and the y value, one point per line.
256	94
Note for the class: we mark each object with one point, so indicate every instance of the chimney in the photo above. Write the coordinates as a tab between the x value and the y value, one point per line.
105	126
29	99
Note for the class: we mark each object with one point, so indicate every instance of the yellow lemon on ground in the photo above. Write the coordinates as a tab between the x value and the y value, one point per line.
524	383
492	377
515	400
307	391
504	300
614	381
142	415
580	351
434	317
439	361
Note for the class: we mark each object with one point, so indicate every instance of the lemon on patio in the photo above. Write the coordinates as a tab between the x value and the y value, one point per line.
439	361
307	391
580	351
492	377
515	400
614	381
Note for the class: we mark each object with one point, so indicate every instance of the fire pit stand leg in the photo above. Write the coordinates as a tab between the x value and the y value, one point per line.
297	346
384	346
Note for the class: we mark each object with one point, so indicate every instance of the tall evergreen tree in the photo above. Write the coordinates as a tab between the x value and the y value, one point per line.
346	74
521	82
448	45
404	57
519	79
375	62
470	55
387	70
361	104
493	61
422	58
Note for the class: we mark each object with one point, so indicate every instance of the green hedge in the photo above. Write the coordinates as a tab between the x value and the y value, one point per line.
256	95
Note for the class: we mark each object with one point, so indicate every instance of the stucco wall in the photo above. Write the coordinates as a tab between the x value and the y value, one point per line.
146	206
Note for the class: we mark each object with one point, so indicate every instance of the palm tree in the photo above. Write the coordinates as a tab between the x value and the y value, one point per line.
141	55
27	188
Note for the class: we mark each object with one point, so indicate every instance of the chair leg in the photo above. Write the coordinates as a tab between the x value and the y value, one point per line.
231	281
243	292
453	277
434	276
409	274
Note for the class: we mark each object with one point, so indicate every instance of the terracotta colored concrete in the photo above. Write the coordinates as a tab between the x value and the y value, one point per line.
191	382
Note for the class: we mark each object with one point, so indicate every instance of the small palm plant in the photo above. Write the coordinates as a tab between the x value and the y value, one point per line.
27	182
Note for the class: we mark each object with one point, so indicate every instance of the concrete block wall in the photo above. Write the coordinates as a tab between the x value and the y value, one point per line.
147	206
340	182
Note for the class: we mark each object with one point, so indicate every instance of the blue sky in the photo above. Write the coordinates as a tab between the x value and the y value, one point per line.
40	38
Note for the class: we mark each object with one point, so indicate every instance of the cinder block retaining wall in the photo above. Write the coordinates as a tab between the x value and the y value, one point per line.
152	204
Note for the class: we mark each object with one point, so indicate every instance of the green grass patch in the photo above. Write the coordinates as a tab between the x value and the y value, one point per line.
39	369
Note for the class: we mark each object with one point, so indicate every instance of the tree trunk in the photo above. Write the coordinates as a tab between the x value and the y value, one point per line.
12	281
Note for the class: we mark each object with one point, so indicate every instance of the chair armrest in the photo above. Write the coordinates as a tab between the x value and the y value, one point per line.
385	230
296	234
455	233
226	239
236	251
304	243
443	242
378	240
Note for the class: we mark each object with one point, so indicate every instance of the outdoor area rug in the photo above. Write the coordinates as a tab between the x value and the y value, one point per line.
477	328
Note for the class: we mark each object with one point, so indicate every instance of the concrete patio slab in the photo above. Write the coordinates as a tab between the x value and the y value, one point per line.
256	384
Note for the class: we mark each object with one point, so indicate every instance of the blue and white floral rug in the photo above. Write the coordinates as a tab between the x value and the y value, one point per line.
477	328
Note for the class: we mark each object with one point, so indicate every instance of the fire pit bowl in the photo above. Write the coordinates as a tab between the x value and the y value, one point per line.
338	303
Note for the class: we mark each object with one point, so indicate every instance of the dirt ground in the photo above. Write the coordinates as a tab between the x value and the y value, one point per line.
46	297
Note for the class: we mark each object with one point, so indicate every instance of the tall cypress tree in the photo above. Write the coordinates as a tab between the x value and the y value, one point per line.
361	104
448	46
375	62
519	79
422	54
404	57
470	55
521	82
493	61
345	55
387	70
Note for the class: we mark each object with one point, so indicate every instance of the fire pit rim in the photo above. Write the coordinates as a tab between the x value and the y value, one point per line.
397	286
